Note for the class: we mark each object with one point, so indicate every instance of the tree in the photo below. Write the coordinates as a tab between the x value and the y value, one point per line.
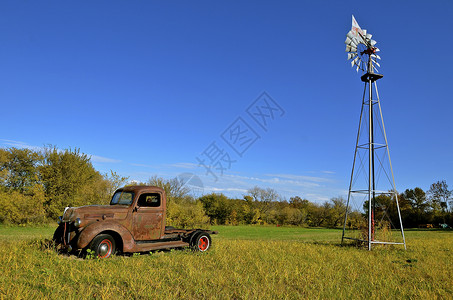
174	188
440	195
186	214
417	198
18	168
217	207
298	202
22	208
249	214
115	181
69	179
420	207
317	214
292	216
337	211
264	196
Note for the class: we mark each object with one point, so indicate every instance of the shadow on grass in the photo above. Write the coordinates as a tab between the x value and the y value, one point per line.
49	245
327	243
430	229
346	245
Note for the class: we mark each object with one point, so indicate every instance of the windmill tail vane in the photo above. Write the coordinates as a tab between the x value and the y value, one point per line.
361	49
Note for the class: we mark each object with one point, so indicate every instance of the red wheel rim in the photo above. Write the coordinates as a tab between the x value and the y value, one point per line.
105	248
203	243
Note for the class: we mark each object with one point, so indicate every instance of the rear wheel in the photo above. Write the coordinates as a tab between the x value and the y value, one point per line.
201	241
103	246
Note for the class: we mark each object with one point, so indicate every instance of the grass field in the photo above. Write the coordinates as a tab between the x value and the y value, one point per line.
246	262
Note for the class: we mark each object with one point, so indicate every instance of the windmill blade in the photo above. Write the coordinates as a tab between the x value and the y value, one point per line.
351	55
350	34
368	36
357	70
375	56
362	36
350	48
373	42
376	63
348	41
376	49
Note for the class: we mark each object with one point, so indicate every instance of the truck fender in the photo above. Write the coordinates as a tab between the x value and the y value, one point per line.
92	230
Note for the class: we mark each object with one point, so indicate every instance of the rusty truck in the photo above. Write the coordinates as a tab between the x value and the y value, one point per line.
133	222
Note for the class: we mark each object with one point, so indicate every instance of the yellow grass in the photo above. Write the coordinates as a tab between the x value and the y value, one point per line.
236	268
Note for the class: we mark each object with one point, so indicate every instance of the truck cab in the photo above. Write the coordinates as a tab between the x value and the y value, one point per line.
133	222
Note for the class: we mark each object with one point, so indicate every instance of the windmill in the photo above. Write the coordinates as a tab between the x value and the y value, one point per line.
372	209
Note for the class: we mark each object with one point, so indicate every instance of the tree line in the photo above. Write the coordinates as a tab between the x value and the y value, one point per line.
36	185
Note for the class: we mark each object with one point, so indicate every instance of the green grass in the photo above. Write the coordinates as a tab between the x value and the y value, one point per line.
246	262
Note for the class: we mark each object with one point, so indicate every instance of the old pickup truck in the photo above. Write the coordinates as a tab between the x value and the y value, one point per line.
133	222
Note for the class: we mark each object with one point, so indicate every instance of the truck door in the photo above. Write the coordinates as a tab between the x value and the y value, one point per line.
147	217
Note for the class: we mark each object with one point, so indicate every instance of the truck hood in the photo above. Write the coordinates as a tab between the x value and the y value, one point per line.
96	212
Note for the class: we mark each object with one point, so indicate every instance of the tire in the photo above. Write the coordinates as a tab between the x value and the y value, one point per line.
103	245
201	241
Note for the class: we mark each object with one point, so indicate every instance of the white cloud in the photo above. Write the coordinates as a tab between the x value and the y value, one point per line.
316	197
133	181
299	177
184	165
313	188
328	172
100	159
143	165
216	189
18	144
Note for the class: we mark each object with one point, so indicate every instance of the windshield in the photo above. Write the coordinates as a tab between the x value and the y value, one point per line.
122	198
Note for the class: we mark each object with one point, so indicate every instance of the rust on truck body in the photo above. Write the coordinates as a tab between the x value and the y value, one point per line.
133	222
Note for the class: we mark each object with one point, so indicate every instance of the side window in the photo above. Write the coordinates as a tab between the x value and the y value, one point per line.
149	200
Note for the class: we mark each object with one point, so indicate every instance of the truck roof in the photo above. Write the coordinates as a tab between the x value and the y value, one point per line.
141	188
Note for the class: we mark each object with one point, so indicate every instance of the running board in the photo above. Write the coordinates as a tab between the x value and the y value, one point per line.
158	241
144	247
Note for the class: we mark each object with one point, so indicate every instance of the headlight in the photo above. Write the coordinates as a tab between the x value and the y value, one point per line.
77	222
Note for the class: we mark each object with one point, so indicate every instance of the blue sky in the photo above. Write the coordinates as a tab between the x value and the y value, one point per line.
147	87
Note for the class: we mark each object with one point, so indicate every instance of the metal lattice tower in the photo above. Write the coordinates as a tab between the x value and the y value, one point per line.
371	157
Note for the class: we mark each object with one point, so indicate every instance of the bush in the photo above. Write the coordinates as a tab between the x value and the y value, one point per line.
22	208
186	214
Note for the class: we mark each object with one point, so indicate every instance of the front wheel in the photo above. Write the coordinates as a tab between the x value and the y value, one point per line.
103	246
58	235
201	242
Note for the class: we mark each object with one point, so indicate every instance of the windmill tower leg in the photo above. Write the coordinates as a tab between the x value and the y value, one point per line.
370	165
391	168
348	203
